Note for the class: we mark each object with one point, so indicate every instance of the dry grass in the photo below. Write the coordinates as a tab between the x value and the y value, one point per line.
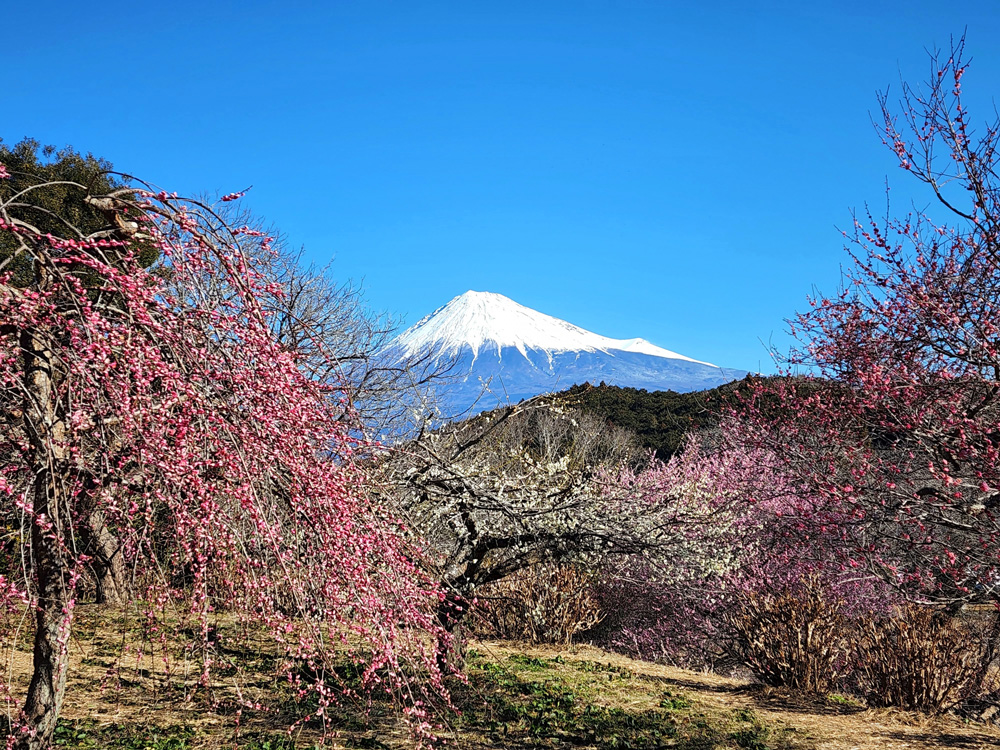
517	696
823	723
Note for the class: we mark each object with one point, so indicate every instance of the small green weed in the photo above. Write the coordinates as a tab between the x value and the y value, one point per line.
519	709
754	738
758	736
530	662
674	701
90	734
269	743
746	714
87	734
843	700
367	743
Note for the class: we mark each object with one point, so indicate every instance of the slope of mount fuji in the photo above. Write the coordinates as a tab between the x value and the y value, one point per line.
485	320
504	352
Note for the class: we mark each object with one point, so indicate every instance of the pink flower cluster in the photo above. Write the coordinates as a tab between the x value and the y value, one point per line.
742	528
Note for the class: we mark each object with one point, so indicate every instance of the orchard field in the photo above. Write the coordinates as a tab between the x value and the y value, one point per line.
516	695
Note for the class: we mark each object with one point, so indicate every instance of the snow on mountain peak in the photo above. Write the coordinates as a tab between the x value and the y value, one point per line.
486	320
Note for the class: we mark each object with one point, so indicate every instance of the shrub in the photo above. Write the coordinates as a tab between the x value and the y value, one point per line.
923	658
547	603
797	638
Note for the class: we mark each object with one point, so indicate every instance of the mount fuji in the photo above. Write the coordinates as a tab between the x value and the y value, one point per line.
502	352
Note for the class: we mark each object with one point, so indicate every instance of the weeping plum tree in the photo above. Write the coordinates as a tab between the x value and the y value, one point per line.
897	429
48	179
226	475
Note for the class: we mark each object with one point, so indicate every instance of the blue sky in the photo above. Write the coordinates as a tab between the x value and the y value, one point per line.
670	170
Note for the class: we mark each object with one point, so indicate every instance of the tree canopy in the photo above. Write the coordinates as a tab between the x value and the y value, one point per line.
47	188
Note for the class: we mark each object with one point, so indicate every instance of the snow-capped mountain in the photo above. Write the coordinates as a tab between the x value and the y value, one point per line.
504	352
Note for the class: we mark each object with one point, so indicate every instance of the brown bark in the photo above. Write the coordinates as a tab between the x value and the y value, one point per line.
45	424
101	545
450	655
52	622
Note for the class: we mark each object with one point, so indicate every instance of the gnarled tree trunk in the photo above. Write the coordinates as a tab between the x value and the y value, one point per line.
101	545
451	645
46	428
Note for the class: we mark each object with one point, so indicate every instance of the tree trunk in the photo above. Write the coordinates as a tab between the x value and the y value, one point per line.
107	563
451	647
52	624
46	432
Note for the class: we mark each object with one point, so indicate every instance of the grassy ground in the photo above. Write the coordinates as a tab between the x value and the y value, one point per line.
515	697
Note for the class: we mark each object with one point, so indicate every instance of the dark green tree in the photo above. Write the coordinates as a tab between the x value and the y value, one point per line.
52	188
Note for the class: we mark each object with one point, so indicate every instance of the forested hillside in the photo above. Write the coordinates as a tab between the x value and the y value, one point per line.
660	419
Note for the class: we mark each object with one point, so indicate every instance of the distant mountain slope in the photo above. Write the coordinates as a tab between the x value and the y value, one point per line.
504	352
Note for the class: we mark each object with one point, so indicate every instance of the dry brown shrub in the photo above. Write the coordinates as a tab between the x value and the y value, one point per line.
546	603
796	639
923	658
